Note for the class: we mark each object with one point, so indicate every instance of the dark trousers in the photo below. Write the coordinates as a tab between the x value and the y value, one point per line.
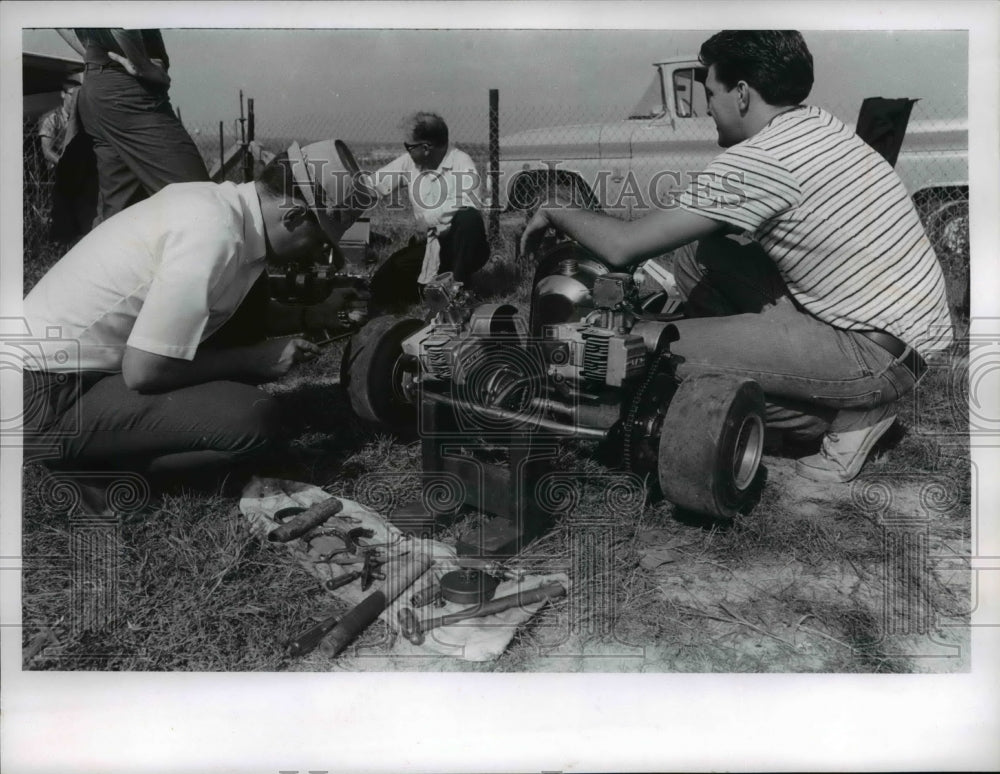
140	144
74	191
91	421
464	251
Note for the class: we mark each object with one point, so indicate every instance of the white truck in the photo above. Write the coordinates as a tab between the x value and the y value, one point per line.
627	167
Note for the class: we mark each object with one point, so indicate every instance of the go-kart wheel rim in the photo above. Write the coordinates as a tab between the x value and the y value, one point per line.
747	451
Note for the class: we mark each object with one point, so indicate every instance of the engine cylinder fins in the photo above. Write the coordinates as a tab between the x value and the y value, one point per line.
595	357
436	358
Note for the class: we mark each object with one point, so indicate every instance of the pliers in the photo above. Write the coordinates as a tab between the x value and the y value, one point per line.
348	538
370	570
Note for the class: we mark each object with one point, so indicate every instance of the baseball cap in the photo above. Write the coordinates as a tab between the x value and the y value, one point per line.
331	183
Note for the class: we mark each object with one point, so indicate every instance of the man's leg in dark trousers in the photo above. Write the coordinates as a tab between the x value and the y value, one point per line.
465	248
190	435
89	425
141	145
191	429
394	285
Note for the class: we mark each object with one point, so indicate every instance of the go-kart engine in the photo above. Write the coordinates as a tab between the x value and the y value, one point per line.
596	365
606	348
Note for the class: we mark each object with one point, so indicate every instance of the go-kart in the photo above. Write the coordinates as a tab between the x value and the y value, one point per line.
590	360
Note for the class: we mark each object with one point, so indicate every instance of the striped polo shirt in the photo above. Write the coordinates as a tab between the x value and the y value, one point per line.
837	222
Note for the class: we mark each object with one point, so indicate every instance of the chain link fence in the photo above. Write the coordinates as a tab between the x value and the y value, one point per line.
628	154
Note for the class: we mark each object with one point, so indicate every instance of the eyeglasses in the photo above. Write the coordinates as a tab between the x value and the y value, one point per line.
412	146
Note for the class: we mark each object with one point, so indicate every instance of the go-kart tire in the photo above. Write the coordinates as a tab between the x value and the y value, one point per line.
710	447
371	375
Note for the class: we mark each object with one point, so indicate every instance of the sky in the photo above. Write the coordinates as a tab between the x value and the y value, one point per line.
359	84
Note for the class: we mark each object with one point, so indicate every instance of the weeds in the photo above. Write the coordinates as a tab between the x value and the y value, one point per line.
795	585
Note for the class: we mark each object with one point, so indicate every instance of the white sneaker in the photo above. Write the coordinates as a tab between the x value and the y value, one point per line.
846	445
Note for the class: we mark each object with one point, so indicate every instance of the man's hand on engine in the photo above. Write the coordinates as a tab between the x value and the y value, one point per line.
344	308
534	231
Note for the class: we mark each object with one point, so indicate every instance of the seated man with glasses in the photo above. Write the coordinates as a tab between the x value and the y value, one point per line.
444	190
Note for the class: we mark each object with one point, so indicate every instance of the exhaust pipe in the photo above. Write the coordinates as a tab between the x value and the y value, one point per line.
532	422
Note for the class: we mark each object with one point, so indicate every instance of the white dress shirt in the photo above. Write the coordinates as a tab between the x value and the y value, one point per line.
435	195
161	276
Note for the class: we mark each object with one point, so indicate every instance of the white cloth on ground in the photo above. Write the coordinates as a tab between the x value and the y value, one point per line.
476	639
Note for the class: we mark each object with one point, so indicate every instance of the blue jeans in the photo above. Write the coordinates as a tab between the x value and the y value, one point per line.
743	321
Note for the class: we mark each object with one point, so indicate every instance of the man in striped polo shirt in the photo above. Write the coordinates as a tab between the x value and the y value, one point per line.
837	300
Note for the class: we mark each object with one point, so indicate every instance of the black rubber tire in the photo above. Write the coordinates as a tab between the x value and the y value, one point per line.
711	441
369	372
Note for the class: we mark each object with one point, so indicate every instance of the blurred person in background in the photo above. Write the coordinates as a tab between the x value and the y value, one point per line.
58	127
140	144
444	190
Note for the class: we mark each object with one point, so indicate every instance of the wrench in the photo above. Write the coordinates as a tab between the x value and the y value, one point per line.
414	629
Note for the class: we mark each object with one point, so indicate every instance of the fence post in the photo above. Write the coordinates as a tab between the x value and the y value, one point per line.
247	155
494	227
222	152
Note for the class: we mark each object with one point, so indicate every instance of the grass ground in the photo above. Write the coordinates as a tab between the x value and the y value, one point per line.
866	577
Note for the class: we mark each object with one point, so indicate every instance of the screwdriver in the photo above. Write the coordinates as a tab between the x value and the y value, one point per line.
328	339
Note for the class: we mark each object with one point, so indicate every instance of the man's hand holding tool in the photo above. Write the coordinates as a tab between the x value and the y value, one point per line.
343	308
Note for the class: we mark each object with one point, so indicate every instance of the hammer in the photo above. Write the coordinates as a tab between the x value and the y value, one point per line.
370	608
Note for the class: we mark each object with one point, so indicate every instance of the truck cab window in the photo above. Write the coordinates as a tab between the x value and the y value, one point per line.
652	104
689	88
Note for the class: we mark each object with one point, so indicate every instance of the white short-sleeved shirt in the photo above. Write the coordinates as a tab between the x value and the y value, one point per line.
435	194
161	276
837	222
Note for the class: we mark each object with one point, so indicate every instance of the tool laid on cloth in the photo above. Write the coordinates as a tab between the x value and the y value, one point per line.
468	586
370	570
427	595
349	538
264	499
335	583
414	629
362	615
304	521
311	637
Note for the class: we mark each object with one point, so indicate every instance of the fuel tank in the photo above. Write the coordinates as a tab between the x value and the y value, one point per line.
564	285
